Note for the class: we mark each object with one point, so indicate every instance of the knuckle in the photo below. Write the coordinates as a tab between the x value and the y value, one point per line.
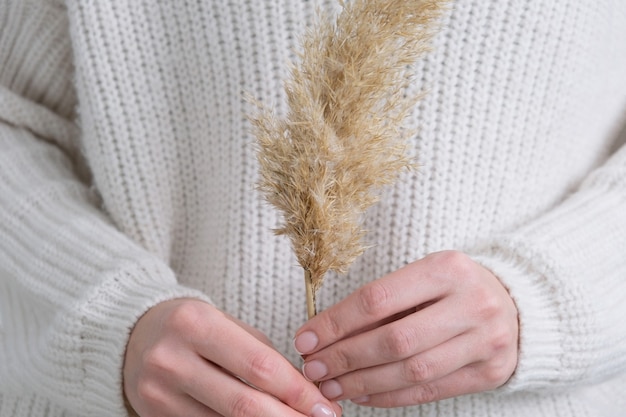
501	340
453	259
496	374
425	393
494	377
489	306
158	360
295	395
374	299
341	358
399	342
243	405
359	384
150	393
184	318
332	324
455	269
417	371
261	367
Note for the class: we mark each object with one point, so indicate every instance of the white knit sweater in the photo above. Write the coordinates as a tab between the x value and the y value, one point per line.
127	177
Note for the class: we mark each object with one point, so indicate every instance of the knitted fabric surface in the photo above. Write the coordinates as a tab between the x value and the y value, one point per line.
128	172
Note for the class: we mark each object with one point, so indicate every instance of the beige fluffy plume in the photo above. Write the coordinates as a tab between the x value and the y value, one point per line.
324	163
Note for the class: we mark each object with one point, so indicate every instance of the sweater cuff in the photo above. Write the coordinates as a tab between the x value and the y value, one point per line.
102	325
565	271
540	352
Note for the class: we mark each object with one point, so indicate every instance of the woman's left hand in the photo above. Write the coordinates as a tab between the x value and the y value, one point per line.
440	327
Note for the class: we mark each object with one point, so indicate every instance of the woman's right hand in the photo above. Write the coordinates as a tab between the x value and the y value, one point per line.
186	358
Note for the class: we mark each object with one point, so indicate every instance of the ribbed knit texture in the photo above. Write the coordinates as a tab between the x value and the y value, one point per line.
520	166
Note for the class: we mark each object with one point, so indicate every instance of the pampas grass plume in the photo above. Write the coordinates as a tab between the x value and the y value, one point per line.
324	163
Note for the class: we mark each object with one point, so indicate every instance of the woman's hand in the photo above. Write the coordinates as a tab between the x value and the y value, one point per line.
186	358
440	327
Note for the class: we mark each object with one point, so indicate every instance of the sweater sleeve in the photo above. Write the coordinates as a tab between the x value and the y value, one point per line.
566	271
71	285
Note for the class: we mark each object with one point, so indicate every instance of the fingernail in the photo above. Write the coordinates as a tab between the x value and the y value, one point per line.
314	370
331	389
361	400
321	410
305	342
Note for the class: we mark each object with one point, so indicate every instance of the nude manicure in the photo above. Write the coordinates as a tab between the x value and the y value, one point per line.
305	342
321	410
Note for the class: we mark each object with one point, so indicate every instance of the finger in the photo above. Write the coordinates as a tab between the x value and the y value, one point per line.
259	365
425	367
259	335
399	291
393	342
194	408
236	398
463	381
156	399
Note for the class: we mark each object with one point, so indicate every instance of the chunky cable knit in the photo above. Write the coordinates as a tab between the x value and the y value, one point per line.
127	177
